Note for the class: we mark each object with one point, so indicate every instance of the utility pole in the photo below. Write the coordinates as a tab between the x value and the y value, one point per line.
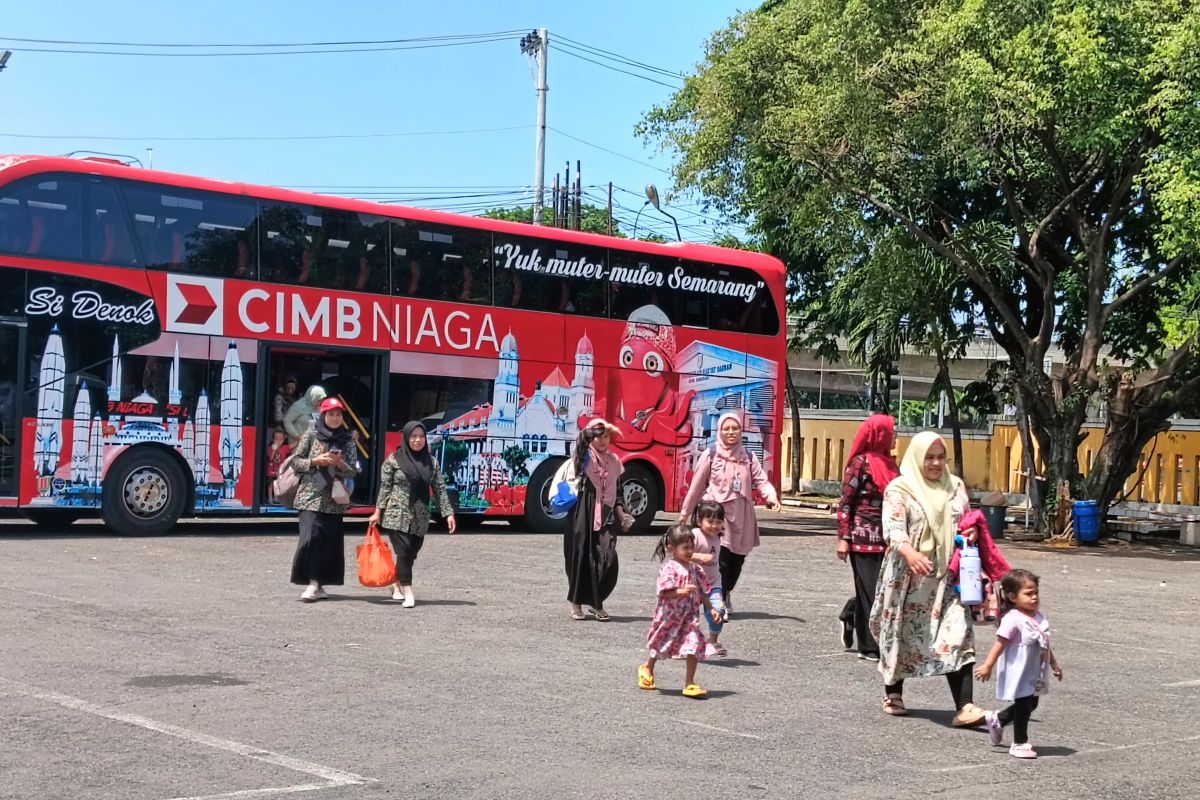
536	44
610	208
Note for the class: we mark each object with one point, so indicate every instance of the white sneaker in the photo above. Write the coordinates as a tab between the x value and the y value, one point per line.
409	602
321	594
397	596
310	595
995	729
1022	751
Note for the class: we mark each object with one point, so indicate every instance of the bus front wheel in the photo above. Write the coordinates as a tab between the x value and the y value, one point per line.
144	493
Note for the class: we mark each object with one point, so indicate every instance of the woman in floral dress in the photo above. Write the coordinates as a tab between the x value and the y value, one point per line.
921	626
675	632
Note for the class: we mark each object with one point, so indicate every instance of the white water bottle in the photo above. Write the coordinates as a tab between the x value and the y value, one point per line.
970	579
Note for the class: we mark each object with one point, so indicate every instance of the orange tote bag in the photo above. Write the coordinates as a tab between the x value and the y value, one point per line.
376	567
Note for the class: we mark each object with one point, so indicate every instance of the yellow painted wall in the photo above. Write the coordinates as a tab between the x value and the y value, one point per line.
1169	471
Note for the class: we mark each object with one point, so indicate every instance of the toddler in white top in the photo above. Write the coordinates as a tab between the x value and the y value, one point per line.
710	524
1023	650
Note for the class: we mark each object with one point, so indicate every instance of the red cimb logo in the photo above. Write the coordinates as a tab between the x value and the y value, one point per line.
200	304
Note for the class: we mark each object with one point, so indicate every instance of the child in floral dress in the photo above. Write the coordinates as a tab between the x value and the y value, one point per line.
675	632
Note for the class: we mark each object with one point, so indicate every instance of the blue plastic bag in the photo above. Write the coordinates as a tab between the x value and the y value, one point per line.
564	498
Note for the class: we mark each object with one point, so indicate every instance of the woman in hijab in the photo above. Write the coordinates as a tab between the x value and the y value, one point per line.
730	474
869	469
922	627
590	541
324	459
408	479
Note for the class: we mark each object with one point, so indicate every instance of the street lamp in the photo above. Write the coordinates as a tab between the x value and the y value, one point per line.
652	198
4	57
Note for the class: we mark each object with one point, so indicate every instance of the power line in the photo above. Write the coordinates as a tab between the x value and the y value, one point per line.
263	138
610	152
616	69
252	53
266	44
601	52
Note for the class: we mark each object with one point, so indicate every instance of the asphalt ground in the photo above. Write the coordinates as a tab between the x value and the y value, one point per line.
185	667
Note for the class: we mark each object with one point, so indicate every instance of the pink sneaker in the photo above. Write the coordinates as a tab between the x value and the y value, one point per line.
1022	751
994	728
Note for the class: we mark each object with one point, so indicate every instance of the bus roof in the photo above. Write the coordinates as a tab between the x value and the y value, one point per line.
13	167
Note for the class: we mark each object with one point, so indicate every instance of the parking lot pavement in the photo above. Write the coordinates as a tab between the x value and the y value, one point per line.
185	667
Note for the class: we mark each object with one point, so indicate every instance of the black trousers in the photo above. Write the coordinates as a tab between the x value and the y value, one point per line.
730	564
406	546
962	687
1018	714
857	611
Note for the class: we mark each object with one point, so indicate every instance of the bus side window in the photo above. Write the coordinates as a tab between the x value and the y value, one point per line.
282	243
109	239
199	233
439	262
42	217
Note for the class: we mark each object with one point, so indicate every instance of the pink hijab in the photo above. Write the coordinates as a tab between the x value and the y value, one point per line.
874	441
604	468
737	452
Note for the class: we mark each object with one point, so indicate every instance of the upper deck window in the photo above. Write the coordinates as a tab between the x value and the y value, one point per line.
42	217
200	233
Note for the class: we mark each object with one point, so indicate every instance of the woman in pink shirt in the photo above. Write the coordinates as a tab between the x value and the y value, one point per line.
730	474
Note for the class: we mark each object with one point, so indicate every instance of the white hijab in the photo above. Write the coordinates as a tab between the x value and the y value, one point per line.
936	542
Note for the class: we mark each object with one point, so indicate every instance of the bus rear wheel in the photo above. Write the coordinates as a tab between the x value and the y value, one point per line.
641	494
144	493
538	515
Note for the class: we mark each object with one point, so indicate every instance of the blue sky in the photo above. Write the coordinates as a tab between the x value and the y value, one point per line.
460	88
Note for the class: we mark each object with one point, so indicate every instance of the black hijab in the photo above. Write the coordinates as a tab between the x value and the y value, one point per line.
336	439
418	466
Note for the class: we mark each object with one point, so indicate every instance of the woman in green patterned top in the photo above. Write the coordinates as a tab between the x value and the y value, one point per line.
408	478
324	457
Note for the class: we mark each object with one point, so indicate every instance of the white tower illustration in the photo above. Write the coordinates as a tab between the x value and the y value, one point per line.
583	386
189	445
114	379
95	450
231	420
51	384
174	396
203	436
81	447
506	394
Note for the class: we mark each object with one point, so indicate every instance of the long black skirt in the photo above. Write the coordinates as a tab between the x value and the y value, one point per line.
590	555
320	550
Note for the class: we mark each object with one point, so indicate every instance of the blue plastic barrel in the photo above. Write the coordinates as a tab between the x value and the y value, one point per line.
1087	521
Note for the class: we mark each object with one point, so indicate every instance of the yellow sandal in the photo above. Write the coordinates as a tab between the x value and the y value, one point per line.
645	678
694	690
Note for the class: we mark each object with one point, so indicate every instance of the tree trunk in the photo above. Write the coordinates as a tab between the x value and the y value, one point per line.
1033	487
1134	419
797	441
952	404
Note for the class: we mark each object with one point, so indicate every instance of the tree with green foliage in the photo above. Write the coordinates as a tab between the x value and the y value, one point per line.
594	218
515	457
455	455
1048	151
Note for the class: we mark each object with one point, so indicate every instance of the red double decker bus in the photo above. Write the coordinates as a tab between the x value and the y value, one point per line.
148	322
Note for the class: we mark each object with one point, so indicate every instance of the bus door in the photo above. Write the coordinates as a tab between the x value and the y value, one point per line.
354	377
12	379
